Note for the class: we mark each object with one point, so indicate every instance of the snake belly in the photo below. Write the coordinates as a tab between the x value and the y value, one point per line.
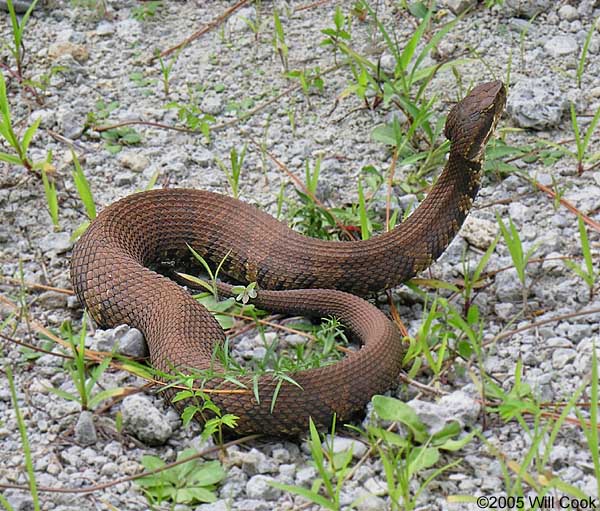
295	274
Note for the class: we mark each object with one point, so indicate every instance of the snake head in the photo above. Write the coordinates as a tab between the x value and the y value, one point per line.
472	120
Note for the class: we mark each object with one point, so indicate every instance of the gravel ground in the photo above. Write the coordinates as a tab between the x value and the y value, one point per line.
86	58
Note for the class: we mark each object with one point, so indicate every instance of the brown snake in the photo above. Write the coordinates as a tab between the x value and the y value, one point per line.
109	272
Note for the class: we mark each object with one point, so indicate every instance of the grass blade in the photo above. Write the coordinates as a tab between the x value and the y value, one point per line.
51	197
24	439
584	51
83	188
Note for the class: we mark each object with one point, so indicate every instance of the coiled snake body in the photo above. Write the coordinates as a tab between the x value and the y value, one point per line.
110	275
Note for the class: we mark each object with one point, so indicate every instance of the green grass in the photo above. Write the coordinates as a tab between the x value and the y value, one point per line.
19	145
234	170
17	48
584	51
84	379
588	272
519	256
332	469
279	44
24	440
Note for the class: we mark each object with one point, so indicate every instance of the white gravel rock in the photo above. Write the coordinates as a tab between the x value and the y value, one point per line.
461	407
458	6
479	232
129	341
241	20
536	103
561	45
85	430
305	476
258	487
528	8
142	419
368	502
341	444
134	161
568	12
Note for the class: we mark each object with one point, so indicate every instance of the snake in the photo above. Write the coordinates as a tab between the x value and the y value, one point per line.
113	275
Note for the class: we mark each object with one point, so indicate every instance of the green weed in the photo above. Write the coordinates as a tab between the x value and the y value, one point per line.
116	138
309	79
192	482
279	43
406	86
471	279
17	49
584	52
24	440
192	116
581	142
51	197
102	112
212	286
332	469
83	187
588	273
165	69
520	404
201	404
444	331
19	145
147	10
85	194
233	172
519	257
84	380
590	428
405	455
340	32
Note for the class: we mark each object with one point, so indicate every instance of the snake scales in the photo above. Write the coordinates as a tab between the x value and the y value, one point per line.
110	275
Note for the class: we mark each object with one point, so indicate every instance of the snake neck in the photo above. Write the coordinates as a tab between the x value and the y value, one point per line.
433	225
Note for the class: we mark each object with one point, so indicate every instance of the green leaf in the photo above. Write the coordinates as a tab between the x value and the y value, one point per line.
411	46
28	135
307	494
61	393
104	395
113	149
384	134
150	462
188	414
10	158
182	394
208	473
79	230
192	495
451	429
591	128
197	281
83	188
421	458
456	445
391	409
365	224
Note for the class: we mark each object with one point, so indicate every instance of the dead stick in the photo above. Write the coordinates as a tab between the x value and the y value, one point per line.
217	21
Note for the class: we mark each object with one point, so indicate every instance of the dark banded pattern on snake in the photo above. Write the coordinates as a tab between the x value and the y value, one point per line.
110	275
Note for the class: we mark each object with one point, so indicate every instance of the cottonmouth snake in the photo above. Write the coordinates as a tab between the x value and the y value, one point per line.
110	275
